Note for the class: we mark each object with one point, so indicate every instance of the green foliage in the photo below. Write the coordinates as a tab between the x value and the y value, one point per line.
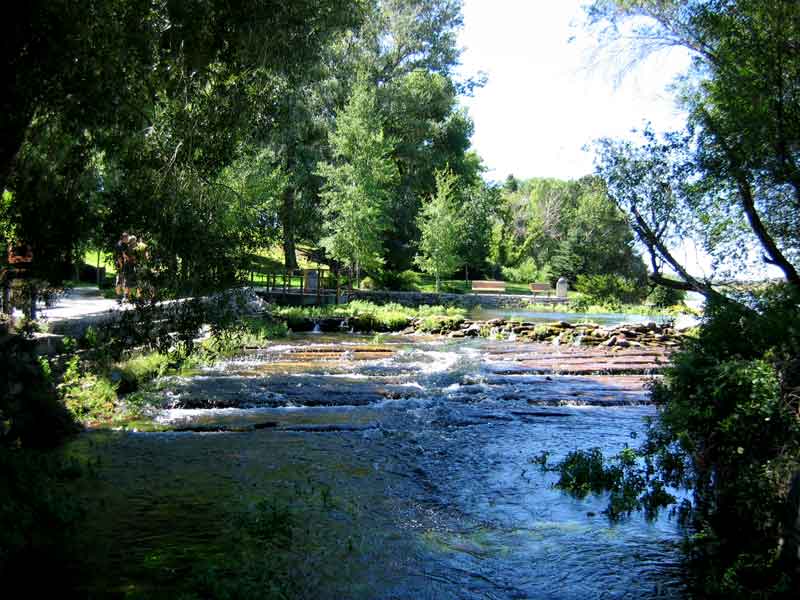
527	272
358	182
609	290
442	229
564	228
31	414
366	316
404	281
89	397
664	297
729	431
726	180
136	371
439	323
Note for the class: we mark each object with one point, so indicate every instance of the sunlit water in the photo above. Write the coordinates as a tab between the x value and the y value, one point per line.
554	316
425	454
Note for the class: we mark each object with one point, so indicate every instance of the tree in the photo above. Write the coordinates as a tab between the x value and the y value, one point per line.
567	228
160	95
728	427
358	183
478	209
442	229
744	128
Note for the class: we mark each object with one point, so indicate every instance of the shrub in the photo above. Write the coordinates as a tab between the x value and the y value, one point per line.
87	396
608	290
141	369
664	297
31	413
527	272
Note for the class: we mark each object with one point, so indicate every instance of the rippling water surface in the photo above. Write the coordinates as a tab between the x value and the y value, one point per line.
420	453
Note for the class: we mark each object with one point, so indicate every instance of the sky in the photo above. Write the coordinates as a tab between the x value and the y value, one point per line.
544	101
548	95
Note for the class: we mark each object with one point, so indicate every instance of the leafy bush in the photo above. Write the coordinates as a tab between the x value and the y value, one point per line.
609	290
31	413
89	397
527	272
663	297
138	370
440	323
36	519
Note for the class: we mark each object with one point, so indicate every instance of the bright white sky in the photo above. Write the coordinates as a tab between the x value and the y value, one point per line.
543	102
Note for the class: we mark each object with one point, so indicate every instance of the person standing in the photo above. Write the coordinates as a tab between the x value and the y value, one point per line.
120	251
129	268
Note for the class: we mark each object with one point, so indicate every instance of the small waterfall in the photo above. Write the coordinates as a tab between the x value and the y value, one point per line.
316	328
557	340
578	340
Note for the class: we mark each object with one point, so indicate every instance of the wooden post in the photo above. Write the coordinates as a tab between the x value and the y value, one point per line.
338	286
319	285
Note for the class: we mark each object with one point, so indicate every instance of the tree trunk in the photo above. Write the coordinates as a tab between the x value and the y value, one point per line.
97	270
287	219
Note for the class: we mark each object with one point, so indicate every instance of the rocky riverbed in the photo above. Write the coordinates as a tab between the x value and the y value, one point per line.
632	335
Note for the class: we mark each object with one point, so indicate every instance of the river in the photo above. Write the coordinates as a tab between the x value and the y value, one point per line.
401	466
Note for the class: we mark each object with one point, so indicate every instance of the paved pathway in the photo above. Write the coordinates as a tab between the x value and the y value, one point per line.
77	307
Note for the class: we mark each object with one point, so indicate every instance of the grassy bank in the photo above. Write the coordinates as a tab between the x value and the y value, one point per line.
366	316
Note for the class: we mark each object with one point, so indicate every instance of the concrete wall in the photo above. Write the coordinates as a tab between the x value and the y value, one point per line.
465	300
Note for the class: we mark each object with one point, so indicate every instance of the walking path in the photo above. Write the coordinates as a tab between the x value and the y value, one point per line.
78	308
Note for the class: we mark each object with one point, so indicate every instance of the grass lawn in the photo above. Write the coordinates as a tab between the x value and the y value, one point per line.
106	260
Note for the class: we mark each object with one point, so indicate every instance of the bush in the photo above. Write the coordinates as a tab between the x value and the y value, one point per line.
31	413
141	369
609	290
89	397
527	272
664	297
729	431
36	517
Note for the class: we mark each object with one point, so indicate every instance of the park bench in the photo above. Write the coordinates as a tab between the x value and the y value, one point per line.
540	288
488	286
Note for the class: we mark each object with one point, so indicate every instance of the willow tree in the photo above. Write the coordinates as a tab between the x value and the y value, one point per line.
735	170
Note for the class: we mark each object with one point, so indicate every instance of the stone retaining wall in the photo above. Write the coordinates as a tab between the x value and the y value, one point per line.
463	300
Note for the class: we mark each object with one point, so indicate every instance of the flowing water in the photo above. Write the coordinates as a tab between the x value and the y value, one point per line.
406	465
554	316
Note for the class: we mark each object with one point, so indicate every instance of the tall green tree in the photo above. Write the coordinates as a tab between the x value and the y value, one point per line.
162	93
358	183
442	229
568	228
